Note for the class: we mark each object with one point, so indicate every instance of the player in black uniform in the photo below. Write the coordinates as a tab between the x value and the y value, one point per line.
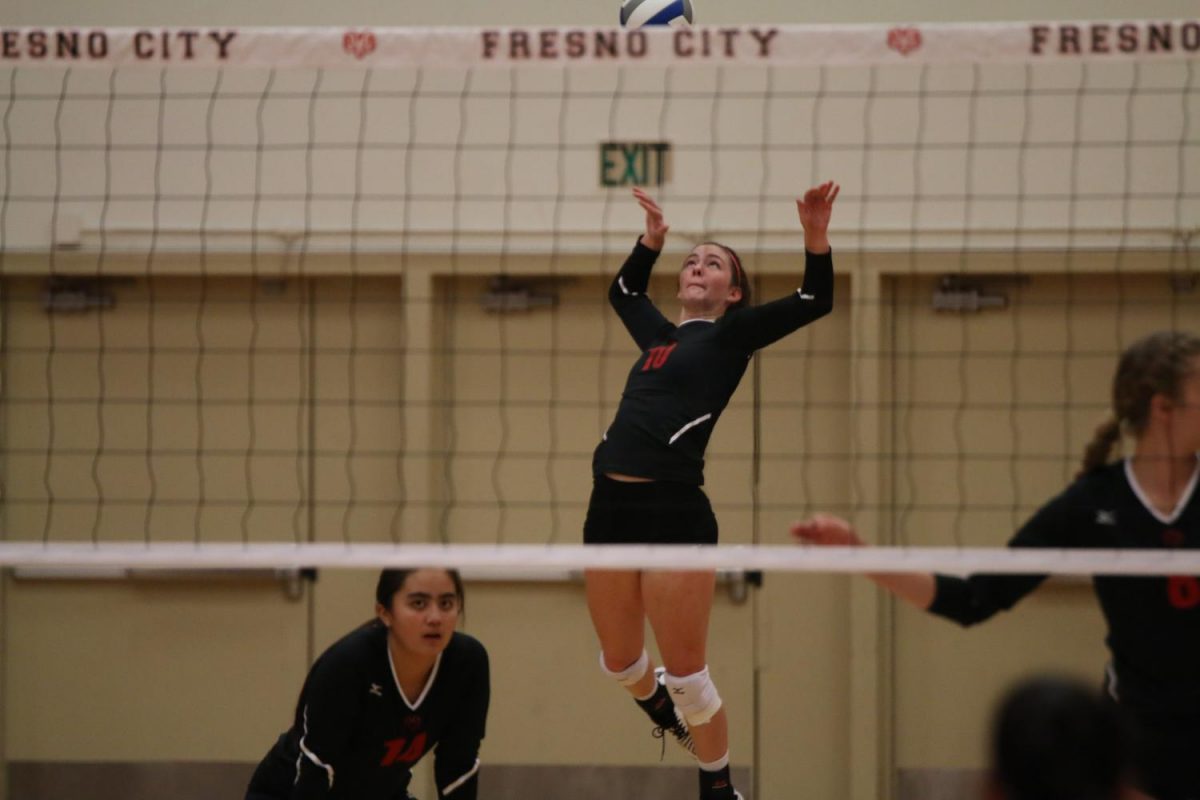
648	468
383	696
1146	501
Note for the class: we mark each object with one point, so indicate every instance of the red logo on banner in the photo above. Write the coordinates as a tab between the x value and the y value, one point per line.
904	40
359	44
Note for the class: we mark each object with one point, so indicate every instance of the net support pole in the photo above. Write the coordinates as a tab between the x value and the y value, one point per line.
870	640
4	626
4	574
420	382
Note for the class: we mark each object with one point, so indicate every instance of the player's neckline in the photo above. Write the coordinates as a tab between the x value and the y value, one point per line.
413	706
1184	498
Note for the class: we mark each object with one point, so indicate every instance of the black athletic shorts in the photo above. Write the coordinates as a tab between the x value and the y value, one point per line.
655	512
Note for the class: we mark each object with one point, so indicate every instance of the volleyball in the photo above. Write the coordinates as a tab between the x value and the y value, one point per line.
639	13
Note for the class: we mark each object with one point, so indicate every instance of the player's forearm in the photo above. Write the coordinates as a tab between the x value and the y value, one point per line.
634	276
916	589
816	241
817	286
457	775
654	242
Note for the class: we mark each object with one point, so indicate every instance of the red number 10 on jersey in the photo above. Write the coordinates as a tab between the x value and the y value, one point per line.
658	356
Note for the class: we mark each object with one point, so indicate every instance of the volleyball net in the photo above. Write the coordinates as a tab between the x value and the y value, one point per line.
338	297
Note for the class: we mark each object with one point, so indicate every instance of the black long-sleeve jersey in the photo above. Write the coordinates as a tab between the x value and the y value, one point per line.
686	373
1153	622
356	736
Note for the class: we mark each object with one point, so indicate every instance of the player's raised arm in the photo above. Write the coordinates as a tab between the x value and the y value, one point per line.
627	293
756	327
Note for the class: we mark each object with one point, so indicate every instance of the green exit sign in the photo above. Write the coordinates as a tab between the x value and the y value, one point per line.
634	163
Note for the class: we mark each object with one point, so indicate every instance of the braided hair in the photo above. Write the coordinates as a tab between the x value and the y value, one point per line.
1155	364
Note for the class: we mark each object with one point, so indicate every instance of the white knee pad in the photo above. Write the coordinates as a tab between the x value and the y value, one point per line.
631	674
695	696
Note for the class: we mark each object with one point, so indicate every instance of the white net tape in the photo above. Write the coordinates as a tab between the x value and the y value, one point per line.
554	559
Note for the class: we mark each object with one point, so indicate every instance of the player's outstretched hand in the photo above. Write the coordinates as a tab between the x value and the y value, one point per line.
656	228
826	529
815	209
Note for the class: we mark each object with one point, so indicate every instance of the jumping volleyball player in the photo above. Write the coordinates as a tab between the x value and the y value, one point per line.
648	468
1148	500
383	696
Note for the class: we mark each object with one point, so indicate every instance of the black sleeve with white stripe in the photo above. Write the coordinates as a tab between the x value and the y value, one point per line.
328	718
758	326
627	294
456	760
